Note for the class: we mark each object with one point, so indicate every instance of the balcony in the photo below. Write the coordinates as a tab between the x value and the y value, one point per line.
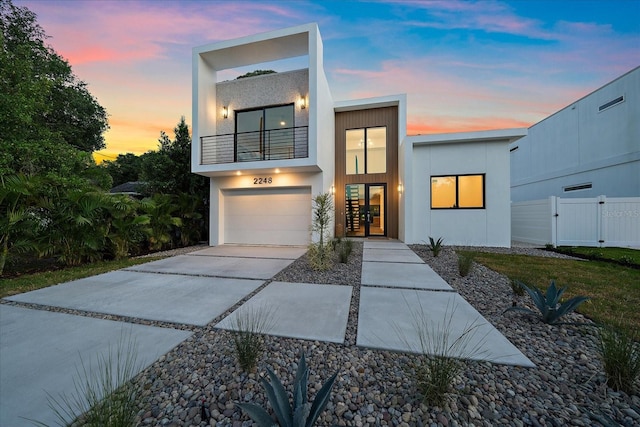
273	144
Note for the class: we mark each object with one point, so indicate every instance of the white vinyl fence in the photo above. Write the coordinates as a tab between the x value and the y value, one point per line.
596	222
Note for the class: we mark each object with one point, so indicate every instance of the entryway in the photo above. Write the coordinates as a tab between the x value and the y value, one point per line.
365	208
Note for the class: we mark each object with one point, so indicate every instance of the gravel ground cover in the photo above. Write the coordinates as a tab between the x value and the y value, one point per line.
376	387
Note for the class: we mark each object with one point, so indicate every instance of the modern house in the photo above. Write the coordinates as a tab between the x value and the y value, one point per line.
271	142
588	149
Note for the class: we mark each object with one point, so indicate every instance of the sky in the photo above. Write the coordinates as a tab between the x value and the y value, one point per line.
464	65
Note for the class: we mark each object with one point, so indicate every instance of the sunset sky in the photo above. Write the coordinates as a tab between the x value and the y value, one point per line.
465	65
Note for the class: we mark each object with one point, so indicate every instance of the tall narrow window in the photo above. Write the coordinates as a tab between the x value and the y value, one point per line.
457	192
366	151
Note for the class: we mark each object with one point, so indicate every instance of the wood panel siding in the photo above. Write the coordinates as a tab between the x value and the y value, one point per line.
388	117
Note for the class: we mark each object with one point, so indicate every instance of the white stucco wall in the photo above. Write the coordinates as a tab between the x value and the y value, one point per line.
258	91
580	144
282	180
477	227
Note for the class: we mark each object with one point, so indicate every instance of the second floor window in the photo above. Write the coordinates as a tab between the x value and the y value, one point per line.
265	133
366	150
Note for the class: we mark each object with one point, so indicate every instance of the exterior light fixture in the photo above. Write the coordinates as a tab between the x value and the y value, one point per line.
302	102
400	188
238	173
277	170
225	112
333	189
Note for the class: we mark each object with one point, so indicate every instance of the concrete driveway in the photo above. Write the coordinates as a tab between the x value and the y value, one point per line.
40	350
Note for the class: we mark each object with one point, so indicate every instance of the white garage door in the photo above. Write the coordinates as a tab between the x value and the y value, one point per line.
274	216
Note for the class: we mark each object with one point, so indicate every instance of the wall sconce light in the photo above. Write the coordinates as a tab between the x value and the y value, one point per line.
225	112
400	188
302	102
333	189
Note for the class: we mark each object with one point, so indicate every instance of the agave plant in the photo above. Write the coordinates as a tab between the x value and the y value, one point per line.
303	413
435	246
551	310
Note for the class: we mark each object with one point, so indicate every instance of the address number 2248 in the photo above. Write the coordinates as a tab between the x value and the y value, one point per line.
265	180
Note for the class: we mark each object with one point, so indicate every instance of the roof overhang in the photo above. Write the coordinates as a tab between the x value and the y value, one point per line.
368	103
498	135
265	47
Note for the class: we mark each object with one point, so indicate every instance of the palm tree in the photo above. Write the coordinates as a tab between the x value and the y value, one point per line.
18	215
126	227
160	209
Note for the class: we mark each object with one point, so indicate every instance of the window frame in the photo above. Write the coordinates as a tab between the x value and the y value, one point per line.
366	150
457	205
264	131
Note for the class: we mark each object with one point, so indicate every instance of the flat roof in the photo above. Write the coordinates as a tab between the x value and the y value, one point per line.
264	47
506	135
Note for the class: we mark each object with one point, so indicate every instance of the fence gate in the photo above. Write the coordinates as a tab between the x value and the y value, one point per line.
578	222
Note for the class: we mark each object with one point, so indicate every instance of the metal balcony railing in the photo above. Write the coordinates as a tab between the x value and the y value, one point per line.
274	144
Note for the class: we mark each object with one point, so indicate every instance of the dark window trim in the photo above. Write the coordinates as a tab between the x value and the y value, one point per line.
457	206
366	150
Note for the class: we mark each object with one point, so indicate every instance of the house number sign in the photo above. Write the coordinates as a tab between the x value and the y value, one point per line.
262	180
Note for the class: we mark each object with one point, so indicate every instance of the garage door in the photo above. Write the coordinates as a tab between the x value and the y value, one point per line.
275	216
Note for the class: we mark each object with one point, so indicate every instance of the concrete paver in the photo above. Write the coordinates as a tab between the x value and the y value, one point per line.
273	252
387	320
163	297
255	268
402	275
40	352
384	244
301	310
391	255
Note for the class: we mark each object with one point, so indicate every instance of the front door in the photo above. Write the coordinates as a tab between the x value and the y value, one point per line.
366	210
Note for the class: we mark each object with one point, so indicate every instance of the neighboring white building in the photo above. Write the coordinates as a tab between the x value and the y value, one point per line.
270	143
587	149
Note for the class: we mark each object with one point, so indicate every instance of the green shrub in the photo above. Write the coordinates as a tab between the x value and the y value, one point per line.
435	246
345	250
549	306
302	413
620	354
319	257
248	329
465	263
442	354
103	395
517	289
626	260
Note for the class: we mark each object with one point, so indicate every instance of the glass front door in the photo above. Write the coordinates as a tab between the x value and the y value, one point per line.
365	207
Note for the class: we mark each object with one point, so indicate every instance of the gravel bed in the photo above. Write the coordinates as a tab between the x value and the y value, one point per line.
375	387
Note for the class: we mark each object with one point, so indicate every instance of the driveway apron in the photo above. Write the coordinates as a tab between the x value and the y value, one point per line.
41	351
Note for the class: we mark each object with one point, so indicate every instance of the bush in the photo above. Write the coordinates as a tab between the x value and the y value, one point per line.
517	289
549	304
319	257
435	246
620	354
345	250
465	263
248	329
103	395
442	354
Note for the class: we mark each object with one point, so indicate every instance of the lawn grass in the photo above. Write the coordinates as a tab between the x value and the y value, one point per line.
614	290
30	282
613	254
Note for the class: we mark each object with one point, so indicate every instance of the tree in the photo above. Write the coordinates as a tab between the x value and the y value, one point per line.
49	122
125	168
168	170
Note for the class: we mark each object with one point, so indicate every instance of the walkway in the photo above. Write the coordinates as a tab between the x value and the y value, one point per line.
406	306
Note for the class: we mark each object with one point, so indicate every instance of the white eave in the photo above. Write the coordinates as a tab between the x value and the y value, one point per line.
281	44
497	135
368	103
